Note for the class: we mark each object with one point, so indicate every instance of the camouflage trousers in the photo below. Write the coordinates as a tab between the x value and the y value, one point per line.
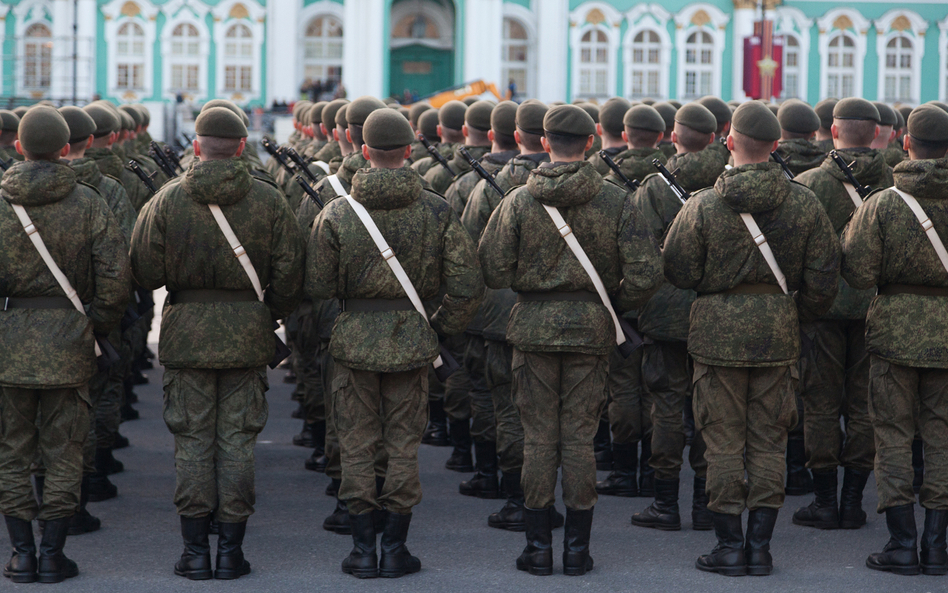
307	363
509	428
835	384
483	424
51	424
326	370
215	416
744	414
107	393
629	402
560	396
667	370
905	401
374	411
456	391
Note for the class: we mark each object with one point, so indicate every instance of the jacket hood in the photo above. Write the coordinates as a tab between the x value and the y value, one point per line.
636	163
923	179
386	189
500	158
753	188
87	171
869	166
698	169
568	184
800	153
350	164
222	182
108	162
35	183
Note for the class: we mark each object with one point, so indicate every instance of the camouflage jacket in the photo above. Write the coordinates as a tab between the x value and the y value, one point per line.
667	148
129	152
418	152
439	178
596	147
46	348
178	244
894	153
110	163
522	249
717	153
308	210
600	165
636	164
294	192
314	146
435	251
328	152
885	244
709	249
425	164
111	189
9	152
460	189
801	155
827	183
824	145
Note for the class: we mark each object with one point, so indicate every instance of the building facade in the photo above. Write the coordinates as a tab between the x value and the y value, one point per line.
256	52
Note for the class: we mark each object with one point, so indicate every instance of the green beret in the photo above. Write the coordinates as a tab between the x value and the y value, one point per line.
928	123
733	104
477	115
133	113
128	123
468	101
451	115
240	112
386	129
720	109
569	119
9	121
644	117
146	115
415	111
856	108
938	104
219	122
503	119
824	109
428	123
299	108
649	101
315	114
697	117
21	111
341	121
390	101
901	123
530	116
667	111
81	125
773	107
904	111
612	114
674	103
43	130
359	110
105	121
797	117
330	111
590	108
887	116
403	111
755	120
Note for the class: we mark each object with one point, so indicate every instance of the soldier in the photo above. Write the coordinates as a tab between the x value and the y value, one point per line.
609	130
475	129
216	333
327	126
49	222
722	117
888	131
428	126
109	156
560	331
380	344
835	378
894	153
641	126
798	123
593	110
744	334
450	122
418	150
667	111
317	136
824	135
9	123
885	245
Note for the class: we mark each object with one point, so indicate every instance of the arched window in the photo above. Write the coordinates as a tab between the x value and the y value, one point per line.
186	58
791	68
322	53
517	58
699	65
898	73
840	66
646	69
594	64
37	57
238	59
130	54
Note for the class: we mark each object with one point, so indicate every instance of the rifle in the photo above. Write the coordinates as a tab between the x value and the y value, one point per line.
147	179
156	153
173	157
783	165
480	170
189	139
631	184
6	164
434	153
669	178
300	163
308	189
275	153
847	170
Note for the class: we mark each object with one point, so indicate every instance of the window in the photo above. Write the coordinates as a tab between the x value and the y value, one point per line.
238	59
699	65
185	58
840	67
791	68
517	58
646	69
130	56
899	56
37	57
322	50
594	64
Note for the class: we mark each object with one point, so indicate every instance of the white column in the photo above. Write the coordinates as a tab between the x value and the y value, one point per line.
61	74
743	27
483	41
283	52
86	51
552	45
363	47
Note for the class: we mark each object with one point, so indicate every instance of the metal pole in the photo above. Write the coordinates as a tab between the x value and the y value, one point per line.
75	49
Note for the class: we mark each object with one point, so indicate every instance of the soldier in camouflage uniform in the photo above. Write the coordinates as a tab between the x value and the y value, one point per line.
216	336
888	124
418	150
319	140
884	245
609	129
835	377
46	344
475	129
560	331
9	123
667	111
593	110
108	155
272	166
381	345
824	135
798	123
744	333
450	122
722	116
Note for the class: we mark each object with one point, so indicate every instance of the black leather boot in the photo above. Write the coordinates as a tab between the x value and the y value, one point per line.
362	562
333	488
121	442
900	555
22	565
338	521
300	412
823	512
305	438
602	445
663	513
460	460
851	515
436	433
799	480
317	462
100	487
511	516
195	562
918	464
622	480
396	560
231	563
934	558
111	464
537	556
557	519
701	519
53	566
727	557
760	528
646	473
484	483
83	521
576	558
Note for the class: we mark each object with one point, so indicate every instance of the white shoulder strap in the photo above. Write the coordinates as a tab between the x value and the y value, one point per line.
337	186
322	165
567	233
853	194
927	225
50	263
761	241
239	252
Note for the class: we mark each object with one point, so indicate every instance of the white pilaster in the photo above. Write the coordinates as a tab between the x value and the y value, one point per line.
743	27
282	60
552	63
86	50
483	41
364	48
61	74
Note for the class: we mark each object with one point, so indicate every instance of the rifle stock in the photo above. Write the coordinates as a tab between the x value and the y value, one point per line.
146	179
631	184
671	181
847	170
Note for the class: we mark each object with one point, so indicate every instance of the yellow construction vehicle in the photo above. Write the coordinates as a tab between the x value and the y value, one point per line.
459	93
